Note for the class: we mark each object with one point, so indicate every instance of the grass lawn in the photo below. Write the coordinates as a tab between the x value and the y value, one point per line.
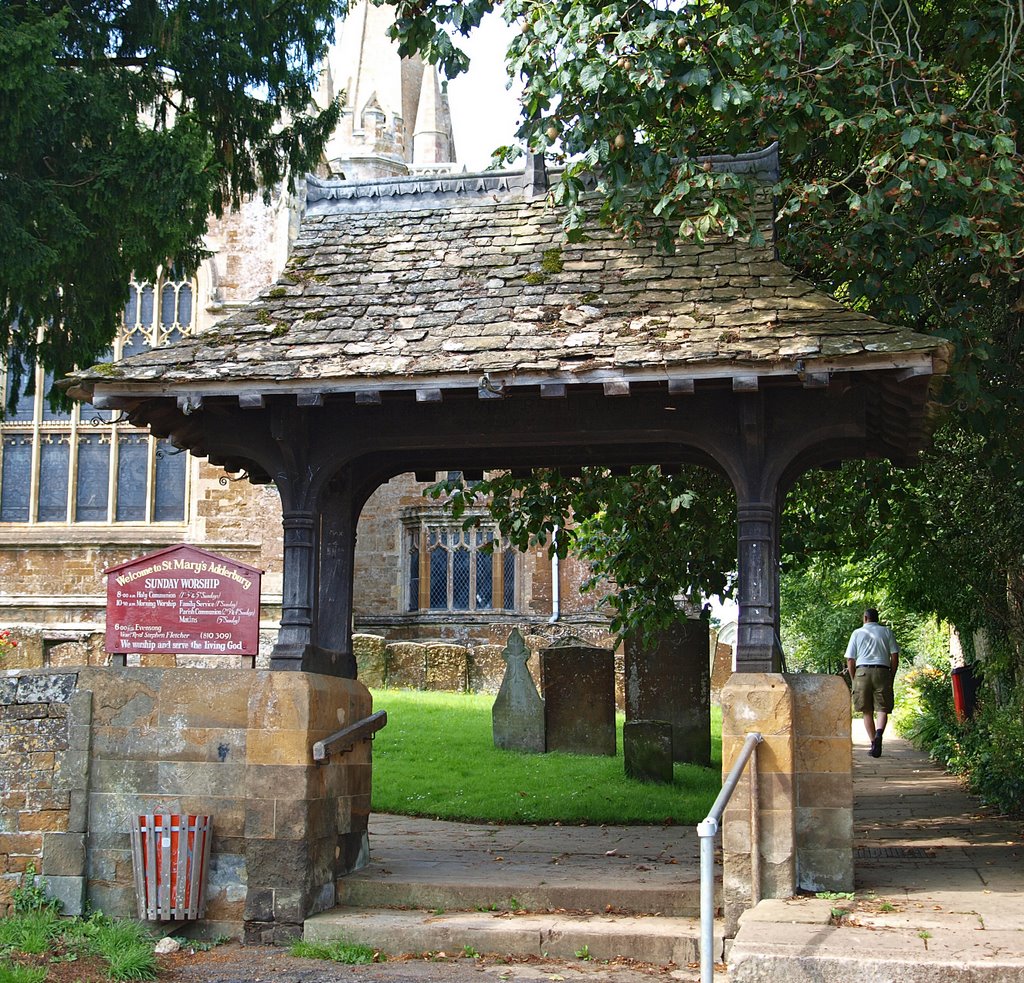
436	758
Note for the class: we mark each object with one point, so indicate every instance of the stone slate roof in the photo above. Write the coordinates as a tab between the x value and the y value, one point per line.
433	283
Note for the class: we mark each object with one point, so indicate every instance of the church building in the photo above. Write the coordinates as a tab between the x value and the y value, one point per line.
82	490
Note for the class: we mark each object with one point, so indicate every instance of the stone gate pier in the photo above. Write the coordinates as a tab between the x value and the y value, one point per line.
99	746
801	827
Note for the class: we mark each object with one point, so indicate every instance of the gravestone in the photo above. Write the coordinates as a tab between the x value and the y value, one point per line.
647	749
406	665
371	662
669	679
517	717
486	668
578	682
446	667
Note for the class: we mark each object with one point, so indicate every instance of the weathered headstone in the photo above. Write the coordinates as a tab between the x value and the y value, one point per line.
446	666
518	713
371	664
486	668
647	749
578	682
406	665
670	680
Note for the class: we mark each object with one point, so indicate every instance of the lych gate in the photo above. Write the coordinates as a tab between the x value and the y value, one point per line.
444	323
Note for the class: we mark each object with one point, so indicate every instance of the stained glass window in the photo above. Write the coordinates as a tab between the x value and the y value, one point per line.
54	460
15	487
87	465
465	570
169	499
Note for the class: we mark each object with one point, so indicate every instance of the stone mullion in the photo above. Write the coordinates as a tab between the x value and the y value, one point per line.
424	561
497	575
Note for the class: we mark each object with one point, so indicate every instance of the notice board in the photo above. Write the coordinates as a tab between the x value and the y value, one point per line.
183	600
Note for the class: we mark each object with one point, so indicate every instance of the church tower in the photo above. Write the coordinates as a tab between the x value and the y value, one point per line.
396	119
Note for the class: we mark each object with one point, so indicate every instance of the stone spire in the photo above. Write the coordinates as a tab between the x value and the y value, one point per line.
432	141
384	95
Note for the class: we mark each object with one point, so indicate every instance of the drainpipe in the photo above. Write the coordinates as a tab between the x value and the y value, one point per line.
556	594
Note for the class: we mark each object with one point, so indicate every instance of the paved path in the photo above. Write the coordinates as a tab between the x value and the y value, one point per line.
939	881
444	864
939	889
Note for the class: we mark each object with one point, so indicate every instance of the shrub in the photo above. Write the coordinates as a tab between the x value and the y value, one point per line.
987	750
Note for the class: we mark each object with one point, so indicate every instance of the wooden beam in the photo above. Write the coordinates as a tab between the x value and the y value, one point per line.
744	383
428	395
680	387
815	380
913	373
616	387
368	397
473	474
552	390
251	401
309	399
108	402
426	476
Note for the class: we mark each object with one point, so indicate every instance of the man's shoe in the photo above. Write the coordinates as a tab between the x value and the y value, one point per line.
876	745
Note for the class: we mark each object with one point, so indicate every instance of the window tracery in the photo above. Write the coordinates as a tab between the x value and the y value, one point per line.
85	465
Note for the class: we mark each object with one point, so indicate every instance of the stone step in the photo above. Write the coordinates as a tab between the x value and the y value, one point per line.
458	886
651	939
798	940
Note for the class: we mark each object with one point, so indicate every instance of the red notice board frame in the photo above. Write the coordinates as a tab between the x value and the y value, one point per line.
183	600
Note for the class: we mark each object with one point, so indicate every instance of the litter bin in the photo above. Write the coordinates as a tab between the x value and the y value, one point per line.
170	856
965	690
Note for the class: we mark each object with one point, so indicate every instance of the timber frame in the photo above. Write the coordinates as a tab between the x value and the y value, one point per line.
444	323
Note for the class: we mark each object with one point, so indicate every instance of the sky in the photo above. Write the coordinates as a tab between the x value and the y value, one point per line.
484	113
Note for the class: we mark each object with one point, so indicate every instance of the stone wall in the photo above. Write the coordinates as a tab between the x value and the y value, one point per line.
85	752
450	667
804	787
43	797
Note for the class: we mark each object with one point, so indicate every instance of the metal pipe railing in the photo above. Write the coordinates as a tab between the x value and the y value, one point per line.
707	830
361	730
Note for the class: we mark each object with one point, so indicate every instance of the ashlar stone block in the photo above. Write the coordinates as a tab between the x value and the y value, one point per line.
762	703
823	764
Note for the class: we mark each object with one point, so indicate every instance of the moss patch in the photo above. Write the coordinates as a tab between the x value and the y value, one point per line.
551	261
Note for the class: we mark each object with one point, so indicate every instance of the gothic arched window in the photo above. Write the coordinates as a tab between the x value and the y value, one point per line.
85	465
449	568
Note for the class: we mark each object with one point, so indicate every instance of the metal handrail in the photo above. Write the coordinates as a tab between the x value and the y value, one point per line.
707	831
361	730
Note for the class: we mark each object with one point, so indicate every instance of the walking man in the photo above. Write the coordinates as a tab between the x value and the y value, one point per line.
872	658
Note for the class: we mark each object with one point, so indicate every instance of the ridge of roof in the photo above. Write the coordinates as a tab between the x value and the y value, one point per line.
435	190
